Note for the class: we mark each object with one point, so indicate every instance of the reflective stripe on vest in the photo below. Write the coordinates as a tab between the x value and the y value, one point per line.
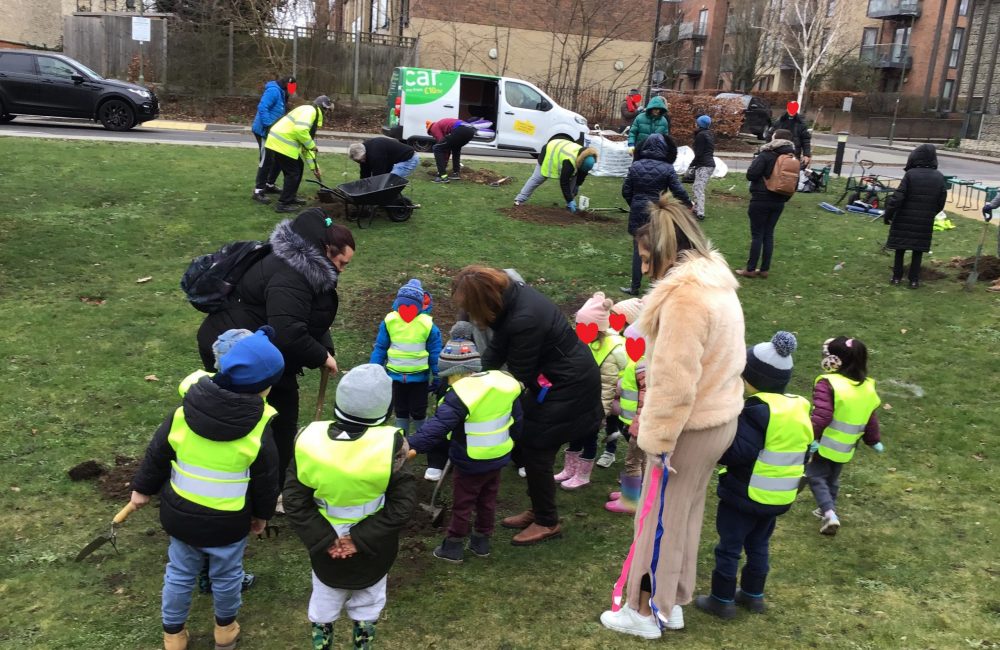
213	473
780	464
629	387
348	477
291	135
556	153
489	396
408	343
853	405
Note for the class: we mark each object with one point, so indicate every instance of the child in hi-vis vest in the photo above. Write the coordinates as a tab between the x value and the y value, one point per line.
593	325
763	470
631	393
844	405
408	345
215	465
348	499
480	414
615	425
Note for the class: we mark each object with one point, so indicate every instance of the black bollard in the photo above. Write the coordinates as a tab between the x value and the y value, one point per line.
838	162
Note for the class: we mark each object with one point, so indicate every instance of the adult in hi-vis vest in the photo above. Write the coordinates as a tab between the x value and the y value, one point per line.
291	141
844	413
348	501
762	471
563	159
480	415
214	463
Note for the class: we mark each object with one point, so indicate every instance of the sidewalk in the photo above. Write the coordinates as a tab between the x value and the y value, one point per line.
902	146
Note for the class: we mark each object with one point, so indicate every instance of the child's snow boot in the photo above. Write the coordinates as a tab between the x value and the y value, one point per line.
582	476
451	549
569	467
176	641
480	545
226	635
628	497
753	604
322	636
364	635
721	602
751	593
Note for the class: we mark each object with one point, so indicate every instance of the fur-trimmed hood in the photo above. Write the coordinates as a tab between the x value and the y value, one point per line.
774	145
304	256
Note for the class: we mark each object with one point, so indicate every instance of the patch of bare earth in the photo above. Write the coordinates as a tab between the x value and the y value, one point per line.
555	216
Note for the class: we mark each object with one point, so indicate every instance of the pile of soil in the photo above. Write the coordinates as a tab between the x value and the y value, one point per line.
371	305
989	267
115	484
88	470
615	138
555	216
930	274
484	176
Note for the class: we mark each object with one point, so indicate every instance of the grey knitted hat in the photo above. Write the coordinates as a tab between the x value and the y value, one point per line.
459	354
364	395
769	365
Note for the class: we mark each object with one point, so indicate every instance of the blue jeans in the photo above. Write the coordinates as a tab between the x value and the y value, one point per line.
225	568
406	167
738	532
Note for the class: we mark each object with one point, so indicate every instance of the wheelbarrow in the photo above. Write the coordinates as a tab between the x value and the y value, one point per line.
367	195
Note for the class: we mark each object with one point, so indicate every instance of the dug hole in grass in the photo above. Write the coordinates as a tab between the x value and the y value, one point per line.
914	565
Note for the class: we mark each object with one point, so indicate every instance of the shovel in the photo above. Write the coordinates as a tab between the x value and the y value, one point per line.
974	274
324	379
436	512
110	536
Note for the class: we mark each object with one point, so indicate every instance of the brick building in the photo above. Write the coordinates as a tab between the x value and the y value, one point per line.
978	94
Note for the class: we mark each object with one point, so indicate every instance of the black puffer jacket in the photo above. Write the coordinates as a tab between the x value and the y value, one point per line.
294	290
911	209
650	175
533	337
382	153
801	137
216	414
704	149
762	166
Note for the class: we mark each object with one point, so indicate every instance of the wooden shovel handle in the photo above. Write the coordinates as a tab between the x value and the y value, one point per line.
324	379
124	513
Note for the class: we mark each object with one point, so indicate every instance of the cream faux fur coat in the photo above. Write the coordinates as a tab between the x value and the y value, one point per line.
695	352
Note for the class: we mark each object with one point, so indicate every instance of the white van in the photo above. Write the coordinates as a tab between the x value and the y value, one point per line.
524	117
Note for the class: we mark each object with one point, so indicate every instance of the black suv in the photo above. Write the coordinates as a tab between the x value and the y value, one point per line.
45	83
756	114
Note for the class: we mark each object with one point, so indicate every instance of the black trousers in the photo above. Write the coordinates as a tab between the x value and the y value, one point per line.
267	168
292	169
636	267
915	258
538	467
764	217
741	532
410	399
452	145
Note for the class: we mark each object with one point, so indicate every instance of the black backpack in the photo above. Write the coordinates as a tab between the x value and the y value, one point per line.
209	279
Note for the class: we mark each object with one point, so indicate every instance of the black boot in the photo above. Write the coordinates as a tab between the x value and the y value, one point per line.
479	545
751	593
364	634
721	602
452	549
322	636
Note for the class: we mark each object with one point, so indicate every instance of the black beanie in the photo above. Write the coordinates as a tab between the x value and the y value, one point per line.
311	225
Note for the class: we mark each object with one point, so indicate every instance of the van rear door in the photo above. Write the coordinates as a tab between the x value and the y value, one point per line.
428	96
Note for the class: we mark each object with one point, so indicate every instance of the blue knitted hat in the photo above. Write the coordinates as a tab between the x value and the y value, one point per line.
411	293
703	121
251	365
769	365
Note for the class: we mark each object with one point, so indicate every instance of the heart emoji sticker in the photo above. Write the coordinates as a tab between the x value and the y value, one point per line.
587	332
635	348
618	321
408	312
792	108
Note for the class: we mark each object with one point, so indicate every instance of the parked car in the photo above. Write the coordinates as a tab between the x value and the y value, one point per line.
50	84
524	118
756	113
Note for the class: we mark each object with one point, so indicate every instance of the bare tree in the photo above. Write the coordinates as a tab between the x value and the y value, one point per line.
747	28
810	32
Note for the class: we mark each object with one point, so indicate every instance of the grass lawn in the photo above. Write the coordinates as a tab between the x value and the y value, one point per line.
914	566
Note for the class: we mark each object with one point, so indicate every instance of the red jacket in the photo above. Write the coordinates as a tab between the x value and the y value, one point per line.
822	414
442	128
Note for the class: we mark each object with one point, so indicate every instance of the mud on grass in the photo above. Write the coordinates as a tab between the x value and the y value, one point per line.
371	305
989	267
556	216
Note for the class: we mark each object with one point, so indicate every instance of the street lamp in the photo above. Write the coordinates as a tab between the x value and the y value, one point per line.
838	163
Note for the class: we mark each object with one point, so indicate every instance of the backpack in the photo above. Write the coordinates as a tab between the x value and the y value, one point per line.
209	279
784	178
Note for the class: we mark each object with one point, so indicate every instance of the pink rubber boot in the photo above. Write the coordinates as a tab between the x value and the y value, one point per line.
626	502
582	476
569	467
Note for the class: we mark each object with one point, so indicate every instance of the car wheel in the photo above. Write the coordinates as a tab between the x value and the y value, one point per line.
420	144
116	115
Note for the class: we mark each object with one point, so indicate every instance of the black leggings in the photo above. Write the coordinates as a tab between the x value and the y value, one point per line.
452	146
915	258
764	217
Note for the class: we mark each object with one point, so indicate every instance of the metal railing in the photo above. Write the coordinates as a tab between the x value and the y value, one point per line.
887	55
893	8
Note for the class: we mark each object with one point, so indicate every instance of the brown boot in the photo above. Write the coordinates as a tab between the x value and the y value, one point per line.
177	641
226	636
536	533
520	521
743	273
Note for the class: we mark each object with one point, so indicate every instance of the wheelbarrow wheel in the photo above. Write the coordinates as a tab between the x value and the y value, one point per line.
401	213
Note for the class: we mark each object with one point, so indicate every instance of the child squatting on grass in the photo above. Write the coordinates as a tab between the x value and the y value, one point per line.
761	477
479	413
348	500
215	464
844	404
609	352
408	345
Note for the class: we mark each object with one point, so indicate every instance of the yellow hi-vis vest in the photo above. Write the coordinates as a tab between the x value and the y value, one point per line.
349	477
853	405
191	380
291	135
556	153
780	464
408	343
606	346
490	397
628	385
213	473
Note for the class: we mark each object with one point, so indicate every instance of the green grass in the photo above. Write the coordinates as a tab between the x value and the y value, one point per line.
915	565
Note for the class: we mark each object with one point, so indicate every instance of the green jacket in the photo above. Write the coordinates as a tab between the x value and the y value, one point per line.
646	125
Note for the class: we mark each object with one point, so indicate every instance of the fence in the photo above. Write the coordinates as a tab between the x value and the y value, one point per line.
598	105
211	60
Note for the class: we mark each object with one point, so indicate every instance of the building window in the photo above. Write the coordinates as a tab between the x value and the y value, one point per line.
869	37
949	87
963	8
831	7
703	21
956	47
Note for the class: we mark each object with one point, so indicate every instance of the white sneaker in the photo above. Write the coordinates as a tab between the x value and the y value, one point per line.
830	525
433	475
523	473
517	204
607	459
676	620
628	621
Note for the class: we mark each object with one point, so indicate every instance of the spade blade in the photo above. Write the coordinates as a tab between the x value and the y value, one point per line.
97	543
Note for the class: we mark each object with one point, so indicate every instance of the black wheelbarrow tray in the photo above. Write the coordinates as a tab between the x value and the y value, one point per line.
368	194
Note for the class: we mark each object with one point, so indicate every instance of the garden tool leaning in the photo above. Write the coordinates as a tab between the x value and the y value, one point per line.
435	511
974	273
109	536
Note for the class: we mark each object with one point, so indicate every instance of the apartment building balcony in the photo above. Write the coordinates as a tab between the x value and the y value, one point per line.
692	32
893	9
786	63
693	68
887	56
